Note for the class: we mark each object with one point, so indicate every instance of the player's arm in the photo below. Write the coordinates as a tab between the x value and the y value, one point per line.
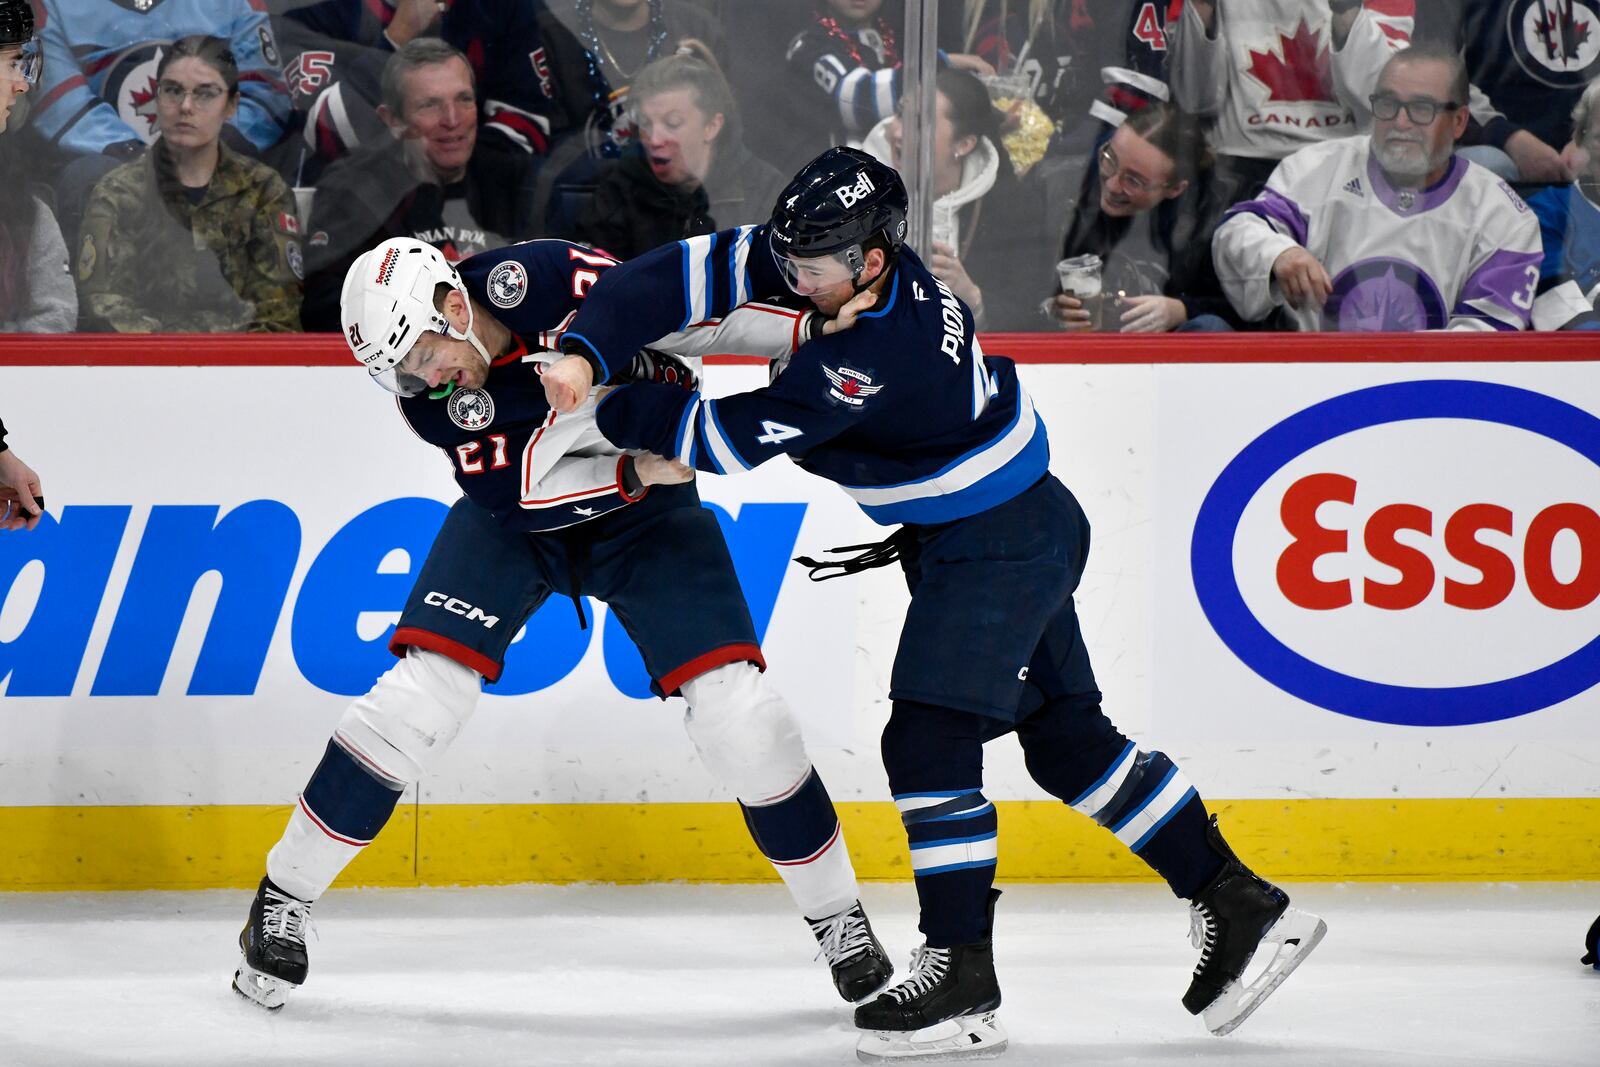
665	291
808	404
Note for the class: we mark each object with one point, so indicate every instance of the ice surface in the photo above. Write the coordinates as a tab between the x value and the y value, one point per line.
723	975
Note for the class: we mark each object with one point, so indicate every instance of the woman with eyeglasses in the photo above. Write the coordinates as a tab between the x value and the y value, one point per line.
36	293
192	236
1138	214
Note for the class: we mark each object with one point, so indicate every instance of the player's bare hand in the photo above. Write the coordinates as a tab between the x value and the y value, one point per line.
567	382
1070	313
658	470
846	318
1152	314
1304	281
20	494
967	61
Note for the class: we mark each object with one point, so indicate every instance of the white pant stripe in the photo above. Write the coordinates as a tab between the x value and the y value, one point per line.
1091	804
927	857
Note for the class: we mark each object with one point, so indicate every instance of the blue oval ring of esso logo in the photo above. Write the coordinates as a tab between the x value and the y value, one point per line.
1216	585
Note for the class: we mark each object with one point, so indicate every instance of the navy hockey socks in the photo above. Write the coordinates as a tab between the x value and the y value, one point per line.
1145	800
934	758
797	828
348	801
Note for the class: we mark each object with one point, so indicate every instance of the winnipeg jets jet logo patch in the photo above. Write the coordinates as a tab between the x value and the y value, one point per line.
848	385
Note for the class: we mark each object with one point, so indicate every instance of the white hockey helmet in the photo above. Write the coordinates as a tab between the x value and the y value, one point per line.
387	303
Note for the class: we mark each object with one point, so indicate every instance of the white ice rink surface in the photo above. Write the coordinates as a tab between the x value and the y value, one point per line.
722	975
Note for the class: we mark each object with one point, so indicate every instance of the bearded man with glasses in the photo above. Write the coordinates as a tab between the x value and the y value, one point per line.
1390	231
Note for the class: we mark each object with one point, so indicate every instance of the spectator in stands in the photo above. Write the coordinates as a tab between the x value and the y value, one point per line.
97	101
1569	219
36	291
850	59
691	173
1525	81
1138	213
1088	65
984	243
334	52
598	48
432	179
192	236
1278	75
1390	231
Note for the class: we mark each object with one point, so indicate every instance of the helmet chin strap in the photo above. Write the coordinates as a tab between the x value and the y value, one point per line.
889	260
472	339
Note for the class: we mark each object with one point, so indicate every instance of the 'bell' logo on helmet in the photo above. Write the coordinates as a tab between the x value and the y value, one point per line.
849	194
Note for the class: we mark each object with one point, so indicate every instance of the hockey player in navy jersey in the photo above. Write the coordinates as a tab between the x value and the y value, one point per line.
910	418
549	507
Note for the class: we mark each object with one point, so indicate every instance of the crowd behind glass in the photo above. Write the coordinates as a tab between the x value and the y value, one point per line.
1114	165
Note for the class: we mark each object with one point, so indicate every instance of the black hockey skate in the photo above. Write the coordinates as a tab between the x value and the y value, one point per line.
1230	919
857	960
1592	943
943	1011
273	942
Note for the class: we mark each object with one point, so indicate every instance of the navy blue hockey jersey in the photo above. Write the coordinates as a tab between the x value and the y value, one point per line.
534	470
903	411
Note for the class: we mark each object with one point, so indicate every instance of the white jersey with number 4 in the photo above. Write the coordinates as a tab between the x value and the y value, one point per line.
1463	253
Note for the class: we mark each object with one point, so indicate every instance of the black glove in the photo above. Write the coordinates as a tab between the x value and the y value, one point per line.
652	366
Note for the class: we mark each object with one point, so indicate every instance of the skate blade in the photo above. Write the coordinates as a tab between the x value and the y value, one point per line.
970	1037
259	988
1295	934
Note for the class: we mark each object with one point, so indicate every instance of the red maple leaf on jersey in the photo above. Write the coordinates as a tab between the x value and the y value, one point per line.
144	105
1302	72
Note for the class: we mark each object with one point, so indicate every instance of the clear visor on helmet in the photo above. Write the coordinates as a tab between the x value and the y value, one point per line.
28	62
408	377
814	274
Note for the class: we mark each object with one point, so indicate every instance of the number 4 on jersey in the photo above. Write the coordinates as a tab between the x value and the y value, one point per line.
777	432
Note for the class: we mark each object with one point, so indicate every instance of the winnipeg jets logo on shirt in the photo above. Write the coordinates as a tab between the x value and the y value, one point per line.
1556	41
587	513
849	195
848	385
470	409
508	284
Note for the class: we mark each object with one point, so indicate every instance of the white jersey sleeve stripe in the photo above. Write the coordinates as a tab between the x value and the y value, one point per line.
740	265
697	278
848	88
722	453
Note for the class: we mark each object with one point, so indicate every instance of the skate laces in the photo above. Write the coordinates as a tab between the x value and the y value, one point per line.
1202	932
842	936
928	967
285	918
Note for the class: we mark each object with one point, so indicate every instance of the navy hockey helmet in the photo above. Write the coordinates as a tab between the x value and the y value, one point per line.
16	22
837	202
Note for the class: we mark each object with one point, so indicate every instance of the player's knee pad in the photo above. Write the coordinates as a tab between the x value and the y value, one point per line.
745	733
410	716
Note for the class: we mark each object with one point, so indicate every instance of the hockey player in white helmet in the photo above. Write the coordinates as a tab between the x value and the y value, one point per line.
463	349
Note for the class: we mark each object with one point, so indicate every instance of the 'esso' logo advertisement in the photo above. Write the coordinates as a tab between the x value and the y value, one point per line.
1425	553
